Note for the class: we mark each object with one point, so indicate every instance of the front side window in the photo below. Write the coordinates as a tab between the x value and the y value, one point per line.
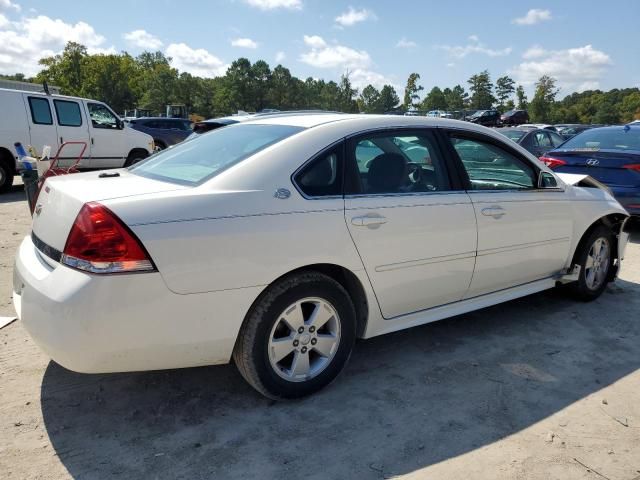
101	116
392	163
40	111
198	160
490	167
322	177
68	113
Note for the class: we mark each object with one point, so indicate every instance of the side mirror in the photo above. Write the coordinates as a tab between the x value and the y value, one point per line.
547	180
120	124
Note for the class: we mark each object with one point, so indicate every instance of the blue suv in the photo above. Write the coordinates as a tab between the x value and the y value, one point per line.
165	131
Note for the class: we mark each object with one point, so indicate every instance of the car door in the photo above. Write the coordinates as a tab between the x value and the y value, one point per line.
42	127
411	222
72	126
108	140
524	232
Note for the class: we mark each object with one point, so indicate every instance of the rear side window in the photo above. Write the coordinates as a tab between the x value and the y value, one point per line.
490	167
198	160
40	111
322	177
68	113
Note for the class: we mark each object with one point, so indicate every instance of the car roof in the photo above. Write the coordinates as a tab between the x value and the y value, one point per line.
161	118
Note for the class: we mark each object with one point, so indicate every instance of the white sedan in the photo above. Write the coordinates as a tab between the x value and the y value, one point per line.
278	241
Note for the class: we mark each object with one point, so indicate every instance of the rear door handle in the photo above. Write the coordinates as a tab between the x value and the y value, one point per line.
371	221
495	212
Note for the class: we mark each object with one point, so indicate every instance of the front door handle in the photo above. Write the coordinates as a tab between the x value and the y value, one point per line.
371	221
495	212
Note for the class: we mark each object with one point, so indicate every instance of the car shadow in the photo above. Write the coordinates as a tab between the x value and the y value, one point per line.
405	401
15	194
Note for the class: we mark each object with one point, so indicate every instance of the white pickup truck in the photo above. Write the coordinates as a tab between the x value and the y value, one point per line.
38	119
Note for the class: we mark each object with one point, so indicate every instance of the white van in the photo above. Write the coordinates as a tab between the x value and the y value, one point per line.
38	119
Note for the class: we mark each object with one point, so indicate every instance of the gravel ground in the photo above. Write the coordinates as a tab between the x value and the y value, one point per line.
538	388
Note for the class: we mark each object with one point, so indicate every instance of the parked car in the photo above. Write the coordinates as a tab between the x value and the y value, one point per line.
537	141
439	114
488	118
235	245
514	117
165	131
568	131
543	126
213	123
37	119
611	155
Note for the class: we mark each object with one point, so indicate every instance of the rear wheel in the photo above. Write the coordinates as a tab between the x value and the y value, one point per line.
595	260
6	176
297	337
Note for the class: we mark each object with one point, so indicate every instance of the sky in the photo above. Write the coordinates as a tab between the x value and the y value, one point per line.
583	44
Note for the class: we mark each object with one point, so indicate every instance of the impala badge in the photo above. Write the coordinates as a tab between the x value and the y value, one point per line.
38	209
592	162
282	193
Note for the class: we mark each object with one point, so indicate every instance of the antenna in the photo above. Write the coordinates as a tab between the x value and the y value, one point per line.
45	86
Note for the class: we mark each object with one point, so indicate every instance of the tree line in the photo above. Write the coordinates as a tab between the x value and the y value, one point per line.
148	81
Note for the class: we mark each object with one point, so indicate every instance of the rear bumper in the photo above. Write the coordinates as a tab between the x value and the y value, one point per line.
117	323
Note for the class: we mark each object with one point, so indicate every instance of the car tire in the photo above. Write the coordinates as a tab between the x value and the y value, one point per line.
135	156
595	259
297	337
6	177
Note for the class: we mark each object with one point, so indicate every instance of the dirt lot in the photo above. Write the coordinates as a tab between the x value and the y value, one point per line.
539	388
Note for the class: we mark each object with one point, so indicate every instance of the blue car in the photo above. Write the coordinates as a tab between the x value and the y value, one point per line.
611	155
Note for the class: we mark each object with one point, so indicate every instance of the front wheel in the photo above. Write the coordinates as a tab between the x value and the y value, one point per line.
297	337
6	177
595	260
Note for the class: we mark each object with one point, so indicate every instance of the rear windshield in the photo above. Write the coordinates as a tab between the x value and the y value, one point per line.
198	160
514	135
605	139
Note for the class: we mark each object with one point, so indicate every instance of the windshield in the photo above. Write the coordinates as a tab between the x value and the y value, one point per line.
514	135
605	139
478	113
200	159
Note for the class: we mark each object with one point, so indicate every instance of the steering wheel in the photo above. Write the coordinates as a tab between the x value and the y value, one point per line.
414	172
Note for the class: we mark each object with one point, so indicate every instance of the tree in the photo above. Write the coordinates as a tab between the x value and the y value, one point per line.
630	107
435	100
522	98
504	90
411	94
261	79
456	98
369	99
388	99
346	95
543	100
481	91
66	69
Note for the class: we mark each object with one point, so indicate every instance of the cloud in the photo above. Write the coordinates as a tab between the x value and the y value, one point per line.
475	46
353	16
275	4
23	43
9	5
143	39
360	78
243	43
4	21
102	51
576	69
404	43
280	56
196	61
323	55
533	16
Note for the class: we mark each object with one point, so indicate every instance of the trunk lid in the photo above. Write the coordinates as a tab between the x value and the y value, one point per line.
61	198
606	166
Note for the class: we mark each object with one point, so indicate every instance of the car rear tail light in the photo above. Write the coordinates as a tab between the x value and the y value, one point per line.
100	243
633	166
552	162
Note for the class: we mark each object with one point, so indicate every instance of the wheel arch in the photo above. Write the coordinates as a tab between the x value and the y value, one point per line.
132	154
614	222
345	277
